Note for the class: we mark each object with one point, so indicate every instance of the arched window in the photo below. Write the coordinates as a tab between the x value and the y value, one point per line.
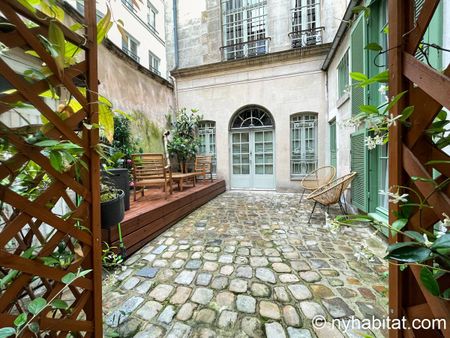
252	117
303	144
207	135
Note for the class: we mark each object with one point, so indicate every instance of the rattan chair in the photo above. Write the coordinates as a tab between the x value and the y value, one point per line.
331	193
317	178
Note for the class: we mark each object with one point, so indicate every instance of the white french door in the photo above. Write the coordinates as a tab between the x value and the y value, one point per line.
252	159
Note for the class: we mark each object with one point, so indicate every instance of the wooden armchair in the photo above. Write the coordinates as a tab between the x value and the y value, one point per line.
203	166
151	170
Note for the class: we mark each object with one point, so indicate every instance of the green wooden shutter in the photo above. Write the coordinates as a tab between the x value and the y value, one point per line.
358	55
359	165
333	143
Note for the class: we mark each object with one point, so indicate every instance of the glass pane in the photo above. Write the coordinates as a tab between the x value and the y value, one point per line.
259	137
259	148
245	148
245	159
244	137
236	169
236	138
269	169
236	148
259	169
268	137
236	159
245	170
259	159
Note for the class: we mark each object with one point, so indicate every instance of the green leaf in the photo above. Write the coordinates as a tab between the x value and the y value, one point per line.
84	272
398	225
437	162
7	332
398	245
428	280
422	179
446	294
76	26
20	320
29	4
34	327
69	278
406	113
410	254
374	46
394	101
442	115
442	244
415	236
56	38
37	305
381	77
56	161
369	109
46	143
59	304
358	76
103	26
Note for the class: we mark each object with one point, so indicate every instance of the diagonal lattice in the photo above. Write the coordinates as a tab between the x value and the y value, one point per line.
39	245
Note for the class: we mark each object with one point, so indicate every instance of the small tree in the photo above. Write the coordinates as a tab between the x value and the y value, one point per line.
184	141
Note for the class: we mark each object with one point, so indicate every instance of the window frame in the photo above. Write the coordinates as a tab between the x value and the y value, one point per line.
152	57
128	50
343	75
297	162
151	12
237	41
211	125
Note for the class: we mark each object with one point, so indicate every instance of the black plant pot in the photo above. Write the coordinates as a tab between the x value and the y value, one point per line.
113	212
121	180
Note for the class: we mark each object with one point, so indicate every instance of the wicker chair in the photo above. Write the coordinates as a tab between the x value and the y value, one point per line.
317	178
331	193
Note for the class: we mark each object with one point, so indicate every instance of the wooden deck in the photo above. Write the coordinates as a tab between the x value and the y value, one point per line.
152	214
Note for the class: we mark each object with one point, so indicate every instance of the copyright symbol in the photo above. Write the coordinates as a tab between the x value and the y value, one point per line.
318	322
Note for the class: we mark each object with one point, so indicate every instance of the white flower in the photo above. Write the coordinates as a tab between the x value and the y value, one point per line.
3	48
383	89
379	139
426	241
392	121
370	143
446	220
394	197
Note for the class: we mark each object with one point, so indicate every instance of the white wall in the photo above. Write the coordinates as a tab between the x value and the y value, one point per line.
135	24
283	88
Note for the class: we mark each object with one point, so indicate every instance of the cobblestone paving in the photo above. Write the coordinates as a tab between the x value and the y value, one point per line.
248	265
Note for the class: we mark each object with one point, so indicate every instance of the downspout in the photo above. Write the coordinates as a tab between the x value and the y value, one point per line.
175	32
175	48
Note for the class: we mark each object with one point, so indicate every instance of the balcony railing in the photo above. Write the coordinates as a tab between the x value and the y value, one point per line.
307	37
245	49
130	54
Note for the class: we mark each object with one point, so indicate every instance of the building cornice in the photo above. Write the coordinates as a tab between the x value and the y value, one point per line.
267	59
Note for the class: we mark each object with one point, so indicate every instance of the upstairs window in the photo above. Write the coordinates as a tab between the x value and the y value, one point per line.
151	15
305	20
130	47
343	76
303	144
244	28
129	4
154	63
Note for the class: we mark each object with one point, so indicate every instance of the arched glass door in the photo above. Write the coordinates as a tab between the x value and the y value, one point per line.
252	150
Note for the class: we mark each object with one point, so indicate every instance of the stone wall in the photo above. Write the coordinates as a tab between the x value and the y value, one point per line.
131	87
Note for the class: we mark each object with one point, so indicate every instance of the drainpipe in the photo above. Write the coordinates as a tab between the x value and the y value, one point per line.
175	48
175	32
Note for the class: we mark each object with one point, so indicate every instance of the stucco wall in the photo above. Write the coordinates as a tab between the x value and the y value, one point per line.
283	88
340	109
130	89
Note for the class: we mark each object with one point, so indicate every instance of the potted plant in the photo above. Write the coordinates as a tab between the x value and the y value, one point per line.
112	206
117	175
184	141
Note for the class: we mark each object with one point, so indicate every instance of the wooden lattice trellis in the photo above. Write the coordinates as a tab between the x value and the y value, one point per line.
409	151
31	222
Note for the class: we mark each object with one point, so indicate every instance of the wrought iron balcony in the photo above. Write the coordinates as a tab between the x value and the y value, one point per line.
130	54
245	49
307	37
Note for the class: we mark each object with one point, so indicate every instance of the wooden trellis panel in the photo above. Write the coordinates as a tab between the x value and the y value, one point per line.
31	221
409	151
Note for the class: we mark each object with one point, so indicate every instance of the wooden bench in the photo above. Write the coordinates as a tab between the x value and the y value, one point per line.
180	178
151	170
203	166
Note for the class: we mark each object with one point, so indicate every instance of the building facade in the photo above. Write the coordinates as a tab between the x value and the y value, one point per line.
253	69
347	146
143	35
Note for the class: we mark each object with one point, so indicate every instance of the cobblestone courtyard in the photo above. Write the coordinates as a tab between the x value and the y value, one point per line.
248	264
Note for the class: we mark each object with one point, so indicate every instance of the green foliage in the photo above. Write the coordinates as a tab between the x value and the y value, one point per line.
123	142
148	133
110	259
184	142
